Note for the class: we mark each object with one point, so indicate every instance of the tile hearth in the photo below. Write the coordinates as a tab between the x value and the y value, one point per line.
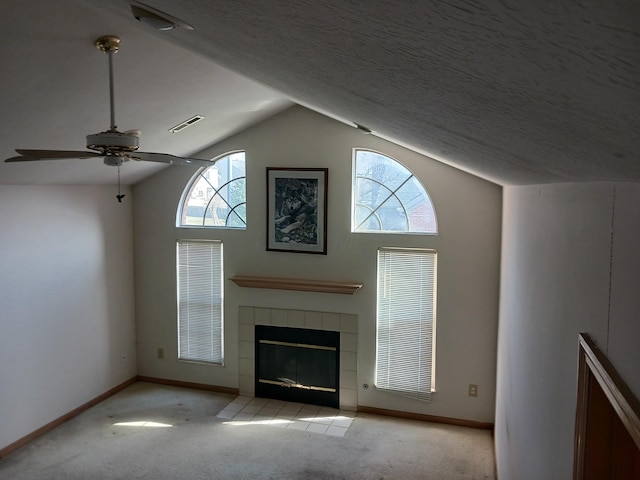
245	410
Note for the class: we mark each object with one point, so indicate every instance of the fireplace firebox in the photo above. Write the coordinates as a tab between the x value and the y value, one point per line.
297	365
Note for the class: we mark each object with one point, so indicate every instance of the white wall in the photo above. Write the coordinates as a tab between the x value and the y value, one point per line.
570	264
66	296
469	215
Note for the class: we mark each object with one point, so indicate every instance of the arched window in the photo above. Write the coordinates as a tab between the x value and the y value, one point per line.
216	197
388	198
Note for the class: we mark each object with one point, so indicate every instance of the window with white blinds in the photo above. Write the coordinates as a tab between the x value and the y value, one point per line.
200	294
406	321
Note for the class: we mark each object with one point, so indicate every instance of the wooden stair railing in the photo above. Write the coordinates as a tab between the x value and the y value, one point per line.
607	434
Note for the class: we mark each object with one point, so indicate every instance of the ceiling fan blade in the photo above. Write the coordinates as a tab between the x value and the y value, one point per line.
168	158
36	155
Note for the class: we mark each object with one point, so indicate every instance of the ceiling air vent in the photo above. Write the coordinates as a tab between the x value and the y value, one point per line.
186	123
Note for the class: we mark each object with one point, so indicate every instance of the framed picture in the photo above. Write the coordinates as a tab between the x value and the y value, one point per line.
297	210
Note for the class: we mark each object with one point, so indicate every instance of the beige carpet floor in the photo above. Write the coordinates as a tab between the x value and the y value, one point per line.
159	432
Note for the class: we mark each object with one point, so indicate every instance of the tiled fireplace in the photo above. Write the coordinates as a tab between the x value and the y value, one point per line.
345	324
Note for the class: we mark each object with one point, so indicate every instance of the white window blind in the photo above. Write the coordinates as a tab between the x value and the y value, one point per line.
200	297
406	321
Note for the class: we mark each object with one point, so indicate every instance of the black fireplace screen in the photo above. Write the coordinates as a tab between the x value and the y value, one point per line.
297	364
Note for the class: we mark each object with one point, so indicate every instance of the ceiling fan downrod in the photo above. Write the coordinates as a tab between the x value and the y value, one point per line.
112	144
110	44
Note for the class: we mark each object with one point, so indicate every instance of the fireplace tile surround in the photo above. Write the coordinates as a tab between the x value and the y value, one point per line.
346	324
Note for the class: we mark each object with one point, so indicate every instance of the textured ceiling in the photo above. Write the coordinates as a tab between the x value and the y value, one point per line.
518	92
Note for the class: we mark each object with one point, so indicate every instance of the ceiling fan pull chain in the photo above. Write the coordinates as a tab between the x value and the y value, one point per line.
119	196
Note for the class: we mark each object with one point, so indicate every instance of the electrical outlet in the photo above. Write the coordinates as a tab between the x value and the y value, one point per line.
161	353
473	390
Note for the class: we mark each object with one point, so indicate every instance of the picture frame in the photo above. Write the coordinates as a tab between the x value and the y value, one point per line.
297	210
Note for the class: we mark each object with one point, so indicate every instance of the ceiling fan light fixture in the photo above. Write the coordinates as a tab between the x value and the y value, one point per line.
114	161
156	19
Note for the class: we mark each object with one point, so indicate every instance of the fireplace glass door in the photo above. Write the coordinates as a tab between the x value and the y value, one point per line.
296	364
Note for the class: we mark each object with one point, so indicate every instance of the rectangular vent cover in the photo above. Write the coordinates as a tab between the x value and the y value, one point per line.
186	123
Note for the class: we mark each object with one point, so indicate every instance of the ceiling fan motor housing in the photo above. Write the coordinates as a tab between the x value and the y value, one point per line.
112	142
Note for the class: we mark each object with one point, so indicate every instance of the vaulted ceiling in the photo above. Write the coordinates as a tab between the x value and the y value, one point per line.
518	92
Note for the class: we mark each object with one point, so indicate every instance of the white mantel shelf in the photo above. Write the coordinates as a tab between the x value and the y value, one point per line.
322	286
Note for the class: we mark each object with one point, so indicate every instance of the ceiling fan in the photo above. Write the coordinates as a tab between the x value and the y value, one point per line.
113	146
